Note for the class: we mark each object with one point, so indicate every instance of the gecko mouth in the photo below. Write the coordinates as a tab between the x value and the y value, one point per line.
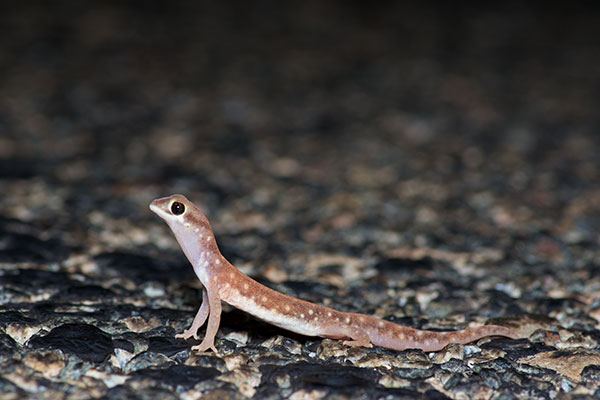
156	209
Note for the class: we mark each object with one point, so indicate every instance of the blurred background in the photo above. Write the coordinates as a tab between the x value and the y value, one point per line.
434	164
438	124
303	118
383	114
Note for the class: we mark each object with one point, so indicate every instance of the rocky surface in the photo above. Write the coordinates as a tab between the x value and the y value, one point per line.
437	167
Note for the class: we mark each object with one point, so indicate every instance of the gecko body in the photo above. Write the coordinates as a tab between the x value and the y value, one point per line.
222	281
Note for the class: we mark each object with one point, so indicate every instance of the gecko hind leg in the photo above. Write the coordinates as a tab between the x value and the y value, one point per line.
358	337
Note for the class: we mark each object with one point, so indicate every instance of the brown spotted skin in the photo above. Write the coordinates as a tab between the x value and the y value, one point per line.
223	282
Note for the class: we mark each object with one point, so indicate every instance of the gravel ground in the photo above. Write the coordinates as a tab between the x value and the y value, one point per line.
436	166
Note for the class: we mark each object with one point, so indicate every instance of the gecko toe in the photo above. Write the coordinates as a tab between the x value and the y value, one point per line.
205	346
357	343
185	335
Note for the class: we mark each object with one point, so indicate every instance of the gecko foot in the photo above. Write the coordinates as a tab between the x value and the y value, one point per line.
205	346
358	337
363	343
188	333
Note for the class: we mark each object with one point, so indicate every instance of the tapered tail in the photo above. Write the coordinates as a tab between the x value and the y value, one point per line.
473	334
399	337
435	341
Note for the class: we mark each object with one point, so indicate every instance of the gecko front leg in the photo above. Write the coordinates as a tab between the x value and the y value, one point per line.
199	319
214	319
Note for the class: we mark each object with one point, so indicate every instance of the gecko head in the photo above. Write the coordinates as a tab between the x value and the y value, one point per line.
177	210
191	228
172	209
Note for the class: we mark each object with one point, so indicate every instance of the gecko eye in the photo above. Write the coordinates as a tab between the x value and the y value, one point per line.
177	208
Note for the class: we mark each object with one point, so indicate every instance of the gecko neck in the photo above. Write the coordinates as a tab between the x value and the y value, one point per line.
197	241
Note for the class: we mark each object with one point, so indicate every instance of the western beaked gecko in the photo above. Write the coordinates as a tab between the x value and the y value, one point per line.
224	282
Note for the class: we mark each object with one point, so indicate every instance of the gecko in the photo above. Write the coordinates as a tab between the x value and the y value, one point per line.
222	281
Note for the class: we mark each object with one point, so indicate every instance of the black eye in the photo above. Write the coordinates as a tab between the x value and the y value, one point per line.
177	208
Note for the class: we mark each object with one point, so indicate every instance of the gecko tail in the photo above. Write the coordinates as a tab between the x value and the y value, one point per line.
439	340
398	337
473	334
